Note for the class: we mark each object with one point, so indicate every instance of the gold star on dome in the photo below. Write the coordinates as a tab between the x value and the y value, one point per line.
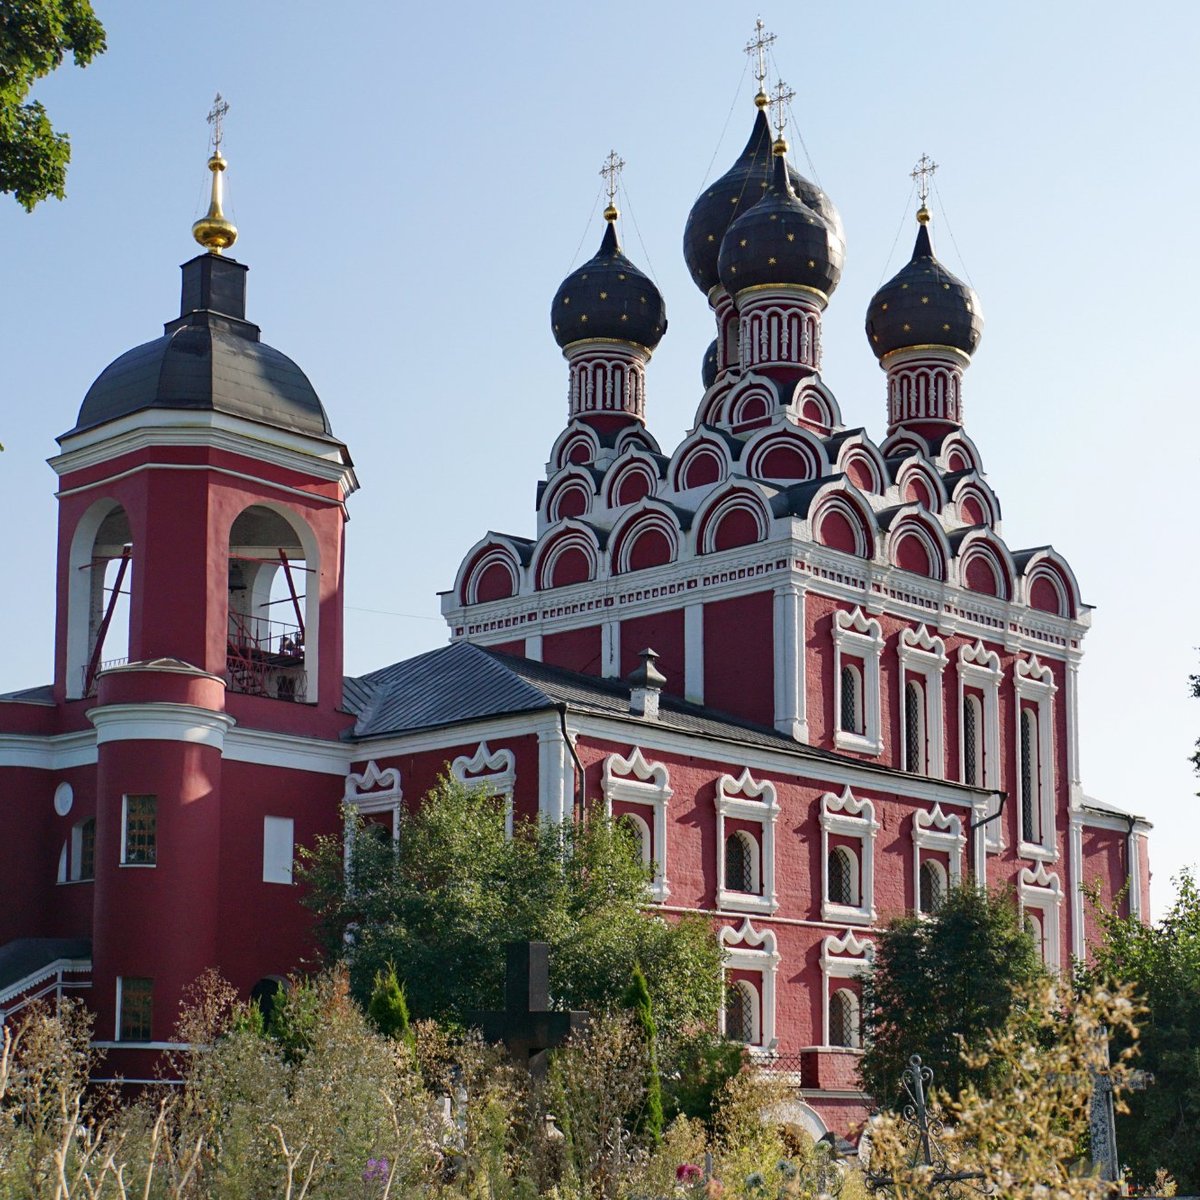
583	316
712	237
774	216
946	286
742	243
924	299
945	328
791	237
620	275
903	285
733	199
771	261
566	299
603	295
884	309
625	317
907	326
812	262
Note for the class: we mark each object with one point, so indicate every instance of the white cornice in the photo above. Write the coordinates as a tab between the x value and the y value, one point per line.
295	753
156	428
160	722
57	752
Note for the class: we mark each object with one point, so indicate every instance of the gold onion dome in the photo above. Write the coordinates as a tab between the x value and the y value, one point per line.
214	231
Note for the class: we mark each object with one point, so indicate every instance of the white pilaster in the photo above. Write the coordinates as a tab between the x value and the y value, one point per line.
1075	870
554	775
610	649
533	647
790	716
693	653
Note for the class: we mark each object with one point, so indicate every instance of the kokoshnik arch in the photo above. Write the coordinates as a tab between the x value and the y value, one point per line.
803	664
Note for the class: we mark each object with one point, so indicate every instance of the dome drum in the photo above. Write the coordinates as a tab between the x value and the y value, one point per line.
780	327
607	379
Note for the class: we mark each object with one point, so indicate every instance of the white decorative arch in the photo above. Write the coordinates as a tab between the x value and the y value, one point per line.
1040	891
734	496
842	497
743	799
847	816
492	771
703	441
918	466
635	780
635	460
573	535
576	433
372	790
1033	681
789	436
979	667
845	957
858	638
914	521
937	833
746	949
648	514
920	653
1047	563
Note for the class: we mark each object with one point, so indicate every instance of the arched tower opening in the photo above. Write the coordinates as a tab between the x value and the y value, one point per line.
273	606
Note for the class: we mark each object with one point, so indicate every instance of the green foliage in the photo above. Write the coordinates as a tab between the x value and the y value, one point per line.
1162	961
442	903
704	1065
637	1000
35	35
941	983
388	1006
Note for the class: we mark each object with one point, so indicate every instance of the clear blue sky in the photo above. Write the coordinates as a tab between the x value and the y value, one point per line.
412	182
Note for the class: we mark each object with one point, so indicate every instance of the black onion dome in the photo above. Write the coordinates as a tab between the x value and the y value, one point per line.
780	240
732	194
924	305
209	359
608	297
708	370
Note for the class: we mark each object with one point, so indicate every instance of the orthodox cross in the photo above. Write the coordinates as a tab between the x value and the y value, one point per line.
921	172
781	98
528	1027
216	115
758	46
614	164
1102	1117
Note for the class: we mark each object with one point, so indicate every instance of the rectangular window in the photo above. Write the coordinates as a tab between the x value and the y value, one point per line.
139	831
135	1007
1029	777
278	849
87	849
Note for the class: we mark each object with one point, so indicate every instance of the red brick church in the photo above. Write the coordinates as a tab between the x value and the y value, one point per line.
858	694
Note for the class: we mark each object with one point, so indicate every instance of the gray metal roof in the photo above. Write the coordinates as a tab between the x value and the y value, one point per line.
26	956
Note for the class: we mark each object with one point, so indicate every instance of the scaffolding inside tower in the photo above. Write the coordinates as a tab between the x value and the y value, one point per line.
265	657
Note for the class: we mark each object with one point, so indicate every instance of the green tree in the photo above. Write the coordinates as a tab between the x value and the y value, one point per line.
940	984
388	1006
637	1000
34	37
1162	962
442	902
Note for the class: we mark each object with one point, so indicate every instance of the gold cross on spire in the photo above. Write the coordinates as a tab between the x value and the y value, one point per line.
614	164
758	46
216	116
921	172
781	98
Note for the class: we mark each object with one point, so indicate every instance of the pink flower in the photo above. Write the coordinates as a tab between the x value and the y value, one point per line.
688	1173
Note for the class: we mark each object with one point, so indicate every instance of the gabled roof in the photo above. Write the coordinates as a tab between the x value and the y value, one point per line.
24	957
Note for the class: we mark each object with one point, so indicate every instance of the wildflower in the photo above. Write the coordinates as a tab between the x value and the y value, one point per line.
688	1173
377	1170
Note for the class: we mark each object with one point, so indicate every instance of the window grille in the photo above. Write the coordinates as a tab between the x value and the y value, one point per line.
914	751
841	877
739	873
849	722
739	1013
141	830
842	1024
87	849
970	722
1028	777
932	888
137	1005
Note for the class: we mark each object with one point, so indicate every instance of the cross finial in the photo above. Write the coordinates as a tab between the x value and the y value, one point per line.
614	164
758	46
781	97
921	172
216	116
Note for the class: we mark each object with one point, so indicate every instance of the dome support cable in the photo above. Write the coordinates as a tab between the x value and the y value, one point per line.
950	231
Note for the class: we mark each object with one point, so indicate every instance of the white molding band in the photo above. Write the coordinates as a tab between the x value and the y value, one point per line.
160	722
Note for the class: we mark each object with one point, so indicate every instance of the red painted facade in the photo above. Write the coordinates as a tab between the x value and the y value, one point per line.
825	610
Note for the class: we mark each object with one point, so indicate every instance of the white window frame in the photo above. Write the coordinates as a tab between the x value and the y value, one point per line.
634	780
120	999
847	816
979	667
1040	892
124	832
756	1001
372	790
855	869
935	831
494	772
1034	681
855	1018
744	800
924	655
861	638
938	869
274	871
845	957
745	949
850	666
915	687
754	860
643	835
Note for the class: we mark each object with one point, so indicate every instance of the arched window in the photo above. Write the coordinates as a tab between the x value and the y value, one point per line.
843	1019
914	728
931	886
84	866
972	730
99	590
1033	927
741	1012
640	832
1029	777
850	718
740	853
842	869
